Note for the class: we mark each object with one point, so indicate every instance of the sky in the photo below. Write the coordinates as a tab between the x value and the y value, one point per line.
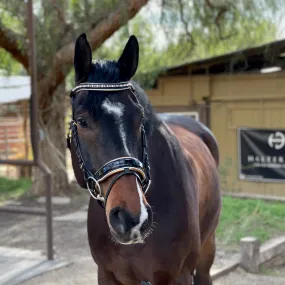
281	30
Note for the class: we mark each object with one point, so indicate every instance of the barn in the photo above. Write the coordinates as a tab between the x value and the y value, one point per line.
240	96
14	124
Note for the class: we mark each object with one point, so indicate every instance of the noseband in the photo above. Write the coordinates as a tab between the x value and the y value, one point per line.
119	166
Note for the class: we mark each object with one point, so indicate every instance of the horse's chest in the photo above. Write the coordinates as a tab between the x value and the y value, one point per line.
132	264
122	266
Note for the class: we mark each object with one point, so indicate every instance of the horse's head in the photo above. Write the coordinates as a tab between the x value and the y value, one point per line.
107	130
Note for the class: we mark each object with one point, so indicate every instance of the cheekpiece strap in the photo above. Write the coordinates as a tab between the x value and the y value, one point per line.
101	87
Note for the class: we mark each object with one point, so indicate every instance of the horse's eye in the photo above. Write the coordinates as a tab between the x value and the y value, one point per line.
82	123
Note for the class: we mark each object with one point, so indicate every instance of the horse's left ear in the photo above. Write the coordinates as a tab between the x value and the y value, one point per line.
82	59
128	62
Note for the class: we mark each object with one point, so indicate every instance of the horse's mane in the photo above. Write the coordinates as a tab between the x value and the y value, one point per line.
108	72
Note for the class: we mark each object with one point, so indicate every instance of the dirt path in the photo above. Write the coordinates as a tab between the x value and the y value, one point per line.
83	272
80	272
70	239
240	277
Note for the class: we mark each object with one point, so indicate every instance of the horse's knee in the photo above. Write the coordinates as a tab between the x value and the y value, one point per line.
105	279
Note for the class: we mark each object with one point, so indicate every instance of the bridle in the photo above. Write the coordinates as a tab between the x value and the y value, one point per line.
119	166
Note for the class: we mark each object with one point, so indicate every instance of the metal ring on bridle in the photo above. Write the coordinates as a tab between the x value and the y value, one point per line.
97	185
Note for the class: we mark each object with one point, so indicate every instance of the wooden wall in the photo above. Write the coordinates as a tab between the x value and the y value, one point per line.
247	100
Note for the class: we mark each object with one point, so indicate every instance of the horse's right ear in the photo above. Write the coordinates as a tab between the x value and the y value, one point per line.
82	59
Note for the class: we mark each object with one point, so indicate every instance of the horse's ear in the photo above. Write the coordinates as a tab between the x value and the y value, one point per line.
128	62
82	58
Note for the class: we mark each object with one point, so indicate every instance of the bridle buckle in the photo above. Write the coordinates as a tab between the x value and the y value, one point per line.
96	196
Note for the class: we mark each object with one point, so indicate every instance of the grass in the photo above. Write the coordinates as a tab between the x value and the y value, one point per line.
12	189
249	217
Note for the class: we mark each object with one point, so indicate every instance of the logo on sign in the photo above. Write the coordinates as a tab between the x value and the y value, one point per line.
276	140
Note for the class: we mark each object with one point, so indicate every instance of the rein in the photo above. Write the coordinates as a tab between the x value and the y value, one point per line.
119	166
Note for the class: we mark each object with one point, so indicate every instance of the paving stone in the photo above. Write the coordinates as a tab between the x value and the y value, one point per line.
18	265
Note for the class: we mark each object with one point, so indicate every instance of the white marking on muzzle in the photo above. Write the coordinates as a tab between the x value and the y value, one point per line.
117	110
135	232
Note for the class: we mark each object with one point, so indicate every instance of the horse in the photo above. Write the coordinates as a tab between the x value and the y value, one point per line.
153	179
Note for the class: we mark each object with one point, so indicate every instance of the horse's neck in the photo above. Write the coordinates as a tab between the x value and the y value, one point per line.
167	161
171	177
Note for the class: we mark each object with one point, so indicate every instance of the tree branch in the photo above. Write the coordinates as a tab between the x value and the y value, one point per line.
222	10
59	11
103	30
15	44
65	26
185	24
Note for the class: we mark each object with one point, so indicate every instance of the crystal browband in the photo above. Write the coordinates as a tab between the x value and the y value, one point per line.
101	87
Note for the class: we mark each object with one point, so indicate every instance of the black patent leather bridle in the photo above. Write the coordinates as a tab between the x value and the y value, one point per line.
119	166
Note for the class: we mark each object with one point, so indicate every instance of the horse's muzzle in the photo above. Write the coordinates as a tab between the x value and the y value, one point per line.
127	228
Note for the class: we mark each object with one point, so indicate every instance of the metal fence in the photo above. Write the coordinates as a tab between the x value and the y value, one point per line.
36	162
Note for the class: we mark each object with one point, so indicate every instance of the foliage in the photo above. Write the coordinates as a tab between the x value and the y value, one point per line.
154	59
8	66
191	30
209	44
248	217
13	188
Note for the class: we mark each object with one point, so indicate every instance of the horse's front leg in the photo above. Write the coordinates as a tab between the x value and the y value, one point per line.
108	278
105	278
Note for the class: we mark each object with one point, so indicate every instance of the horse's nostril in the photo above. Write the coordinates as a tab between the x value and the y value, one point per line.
117	220
119	229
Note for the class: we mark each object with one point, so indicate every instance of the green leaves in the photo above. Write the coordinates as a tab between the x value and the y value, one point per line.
216	27
8	66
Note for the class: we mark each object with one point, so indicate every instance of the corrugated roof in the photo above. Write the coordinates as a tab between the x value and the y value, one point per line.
255	58
14	88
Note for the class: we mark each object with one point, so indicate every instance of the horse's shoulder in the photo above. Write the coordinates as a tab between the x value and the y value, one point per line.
194	127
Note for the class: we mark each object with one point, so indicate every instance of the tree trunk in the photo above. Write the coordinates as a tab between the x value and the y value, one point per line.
52	146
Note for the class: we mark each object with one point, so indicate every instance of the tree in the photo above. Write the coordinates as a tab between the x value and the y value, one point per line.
58	23
154	58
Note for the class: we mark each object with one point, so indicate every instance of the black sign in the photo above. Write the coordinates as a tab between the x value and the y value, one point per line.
261	154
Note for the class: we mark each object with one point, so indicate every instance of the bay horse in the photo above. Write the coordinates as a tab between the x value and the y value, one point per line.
153	179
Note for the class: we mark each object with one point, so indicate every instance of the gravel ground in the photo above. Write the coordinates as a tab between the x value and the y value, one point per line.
84	273
70	239
80	272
